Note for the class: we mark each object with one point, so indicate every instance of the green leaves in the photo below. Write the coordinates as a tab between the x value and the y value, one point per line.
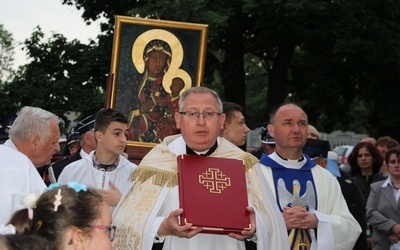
62	76
6	54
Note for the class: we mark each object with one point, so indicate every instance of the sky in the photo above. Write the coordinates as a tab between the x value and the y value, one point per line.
20	17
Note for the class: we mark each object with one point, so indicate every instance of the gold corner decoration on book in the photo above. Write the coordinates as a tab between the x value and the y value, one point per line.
213	194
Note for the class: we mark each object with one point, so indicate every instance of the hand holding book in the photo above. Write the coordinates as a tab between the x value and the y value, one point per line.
170	226
247	234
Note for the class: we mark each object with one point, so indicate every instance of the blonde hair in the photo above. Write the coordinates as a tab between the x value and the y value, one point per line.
313	130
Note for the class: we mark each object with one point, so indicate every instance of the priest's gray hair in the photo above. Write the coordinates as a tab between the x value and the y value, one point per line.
199	90
31	121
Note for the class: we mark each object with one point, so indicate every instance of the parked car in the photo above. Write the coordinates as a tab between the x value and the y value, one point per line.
344	151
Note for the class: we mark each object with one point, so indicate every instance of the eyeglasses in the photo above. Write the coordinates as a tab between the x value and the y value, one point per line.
195	115
111	230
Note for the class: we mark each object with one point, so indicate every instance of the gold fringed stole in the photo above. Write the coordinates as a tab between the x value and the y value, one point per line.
160	177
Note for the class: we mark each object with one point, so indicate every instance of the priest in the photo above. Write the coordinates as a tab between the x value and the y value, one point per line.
148	214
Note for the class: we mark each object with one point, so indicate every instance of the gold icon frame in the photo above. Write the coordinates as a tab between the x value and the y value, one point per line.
187	41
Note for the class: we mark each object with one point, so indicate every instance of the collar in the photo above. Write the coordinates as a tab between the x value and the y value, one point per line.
83	153
299	160
389	182
274	161
108	168
205	153
9	143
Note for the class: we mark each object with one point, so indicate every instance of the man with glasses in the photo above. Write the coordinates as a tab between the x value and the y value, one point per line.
149	212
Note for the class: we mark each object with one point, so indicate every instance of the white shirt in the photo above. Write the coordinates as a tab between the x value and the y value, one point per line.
18	177
396	192
82	171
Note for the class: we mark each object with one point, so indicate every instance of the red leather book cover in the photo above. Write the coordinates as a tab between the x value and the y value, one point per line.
213	193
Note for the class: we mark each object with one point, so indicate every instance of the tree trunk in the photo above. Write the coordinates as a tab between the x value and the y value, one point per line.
232	73
278	77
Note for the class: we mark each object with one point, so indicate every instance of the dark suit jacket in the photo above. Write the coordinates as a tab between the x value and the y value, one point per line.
382	213
356	205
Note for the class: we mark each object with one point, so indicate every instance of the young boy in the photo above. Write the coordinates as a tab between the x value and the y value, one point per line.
105	168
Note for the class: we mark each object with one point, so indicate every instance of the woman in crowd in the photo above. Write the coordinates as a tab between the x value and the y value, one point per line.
70	217
365	163
382	205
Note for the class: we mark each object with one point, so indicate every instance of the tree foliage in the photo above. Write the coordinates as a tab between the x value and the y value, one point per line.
62	76
350	61
6	53
338	59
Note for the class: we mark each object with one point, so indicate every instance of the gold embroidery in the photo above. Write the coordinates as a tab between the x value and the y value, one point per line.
249	161
159	177
299	240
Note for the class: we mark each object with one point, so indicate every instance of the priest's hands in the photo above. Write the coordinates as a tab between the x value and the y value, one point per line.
246	234
299	217
396	230
112	196
393	239
170	226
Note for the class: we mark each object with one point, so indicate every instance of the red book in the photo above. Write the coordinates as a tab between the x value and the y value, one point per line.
213	194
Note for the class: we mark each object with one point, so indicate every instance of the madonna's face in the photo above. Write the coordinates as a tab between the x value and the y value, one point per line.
157	63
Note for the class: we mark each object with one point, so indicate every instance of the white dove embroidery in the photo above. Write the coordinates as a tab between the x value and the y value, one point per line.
308	200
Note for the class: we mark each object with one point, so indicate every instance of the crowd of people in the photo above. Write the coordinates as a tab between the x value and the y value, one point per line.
298	197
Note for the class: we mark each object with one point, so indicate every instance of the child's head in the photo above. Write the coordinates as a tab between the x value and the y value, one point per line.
66	215
23	242
177	85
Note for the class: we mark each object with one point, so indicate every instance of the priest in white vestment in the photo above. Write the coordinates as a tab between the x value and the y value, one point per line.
18	177
148	213
310	198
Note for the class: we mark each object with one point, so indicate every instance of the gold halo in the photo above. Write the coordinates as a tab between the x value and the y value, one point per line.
166	36
167	80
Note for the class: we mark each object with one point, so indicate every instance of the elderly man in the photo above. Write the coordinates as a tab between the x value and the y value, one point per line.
35	133
33	140
310	198
149	212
